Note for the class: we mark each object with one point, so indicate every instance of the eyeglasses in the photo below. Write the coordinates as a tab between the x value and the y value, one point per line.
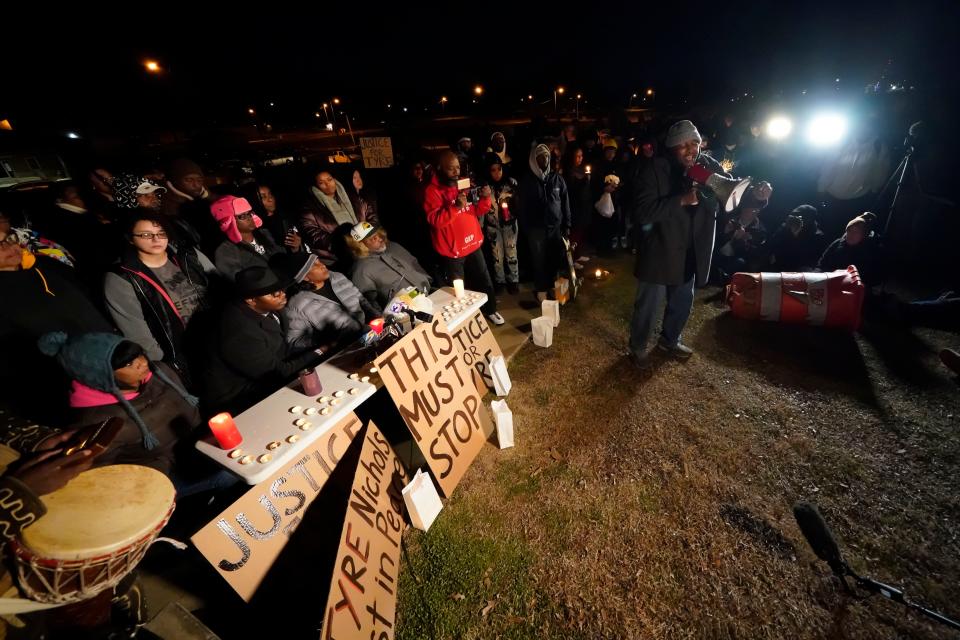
244	216
149	235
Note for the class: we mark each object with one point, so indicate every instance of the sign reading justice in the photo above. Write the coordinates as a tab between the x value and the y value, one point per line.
363	590
243	542
437	398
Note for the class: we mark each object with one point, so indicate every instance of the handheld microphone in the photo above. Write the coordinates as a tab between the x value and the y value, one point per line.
819	536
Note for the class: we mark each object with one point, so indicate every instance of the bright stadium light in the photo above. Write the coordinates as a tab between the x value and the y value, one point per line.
779	127
826	129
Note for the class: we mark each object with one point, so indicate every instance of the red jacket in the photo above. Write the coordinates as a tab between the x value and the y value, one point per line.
455	232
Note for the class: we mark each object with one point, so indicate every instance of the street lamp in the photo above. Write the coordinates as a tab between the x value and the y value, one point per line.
152	66
251	111
630	102
558	90
578	106
443	103
478	90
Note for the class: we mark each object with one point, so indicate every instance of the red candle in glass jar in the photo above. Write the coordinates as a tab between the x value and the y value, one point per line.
225	430
376	325
505	210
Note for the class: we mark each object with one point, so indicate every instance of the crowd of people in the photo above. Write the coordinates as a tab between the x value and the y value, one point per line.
162	299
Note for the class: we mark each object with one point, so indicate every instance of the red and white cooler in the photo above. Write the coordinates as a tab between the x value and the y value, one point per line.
832	299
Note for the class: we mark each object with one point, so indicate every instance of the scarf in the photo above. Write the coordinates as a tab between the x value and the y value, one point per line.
339	205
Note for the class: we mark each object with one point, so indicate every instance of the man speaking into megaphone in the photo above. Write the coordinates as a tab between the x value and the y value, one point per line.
675	202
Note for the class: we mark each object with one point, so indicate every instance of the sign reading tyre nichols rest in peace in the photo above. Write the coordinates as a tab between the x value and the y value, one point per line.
437	398
363	590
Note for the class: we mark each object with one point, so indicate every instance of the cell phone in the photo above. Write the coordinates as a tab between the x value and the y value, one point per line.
463	184
95	435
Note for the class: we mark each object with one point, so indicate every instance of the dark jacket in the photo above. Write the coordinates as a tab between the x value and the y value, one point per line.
233	257
249	359
153	305
501	213
790	252
168	414
544	203
191	222
581	197
866	256
317	225
668	230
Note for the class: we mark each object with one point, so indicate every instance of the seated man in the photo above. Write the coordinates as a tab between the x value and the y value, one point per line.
741	236
327	310
855	247
798	244
382	268
249	357
246	243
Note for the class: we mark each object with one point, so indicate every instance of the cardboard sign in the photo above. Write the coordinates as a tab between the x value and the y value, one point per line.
478	345
377	153
427	379
243	542
363	591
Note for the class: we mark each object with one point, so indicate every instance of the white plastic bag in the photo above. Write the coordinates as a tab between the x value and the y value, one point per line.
551	309
504	418
604	206
542	331
422	500
501	379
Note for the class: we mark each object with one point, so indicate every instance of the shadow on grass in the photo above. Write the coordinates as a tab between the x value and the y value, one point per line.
789	355
901	352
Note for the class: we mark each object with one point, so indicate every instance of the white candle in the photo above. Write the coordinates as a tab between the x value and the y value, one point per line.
458	288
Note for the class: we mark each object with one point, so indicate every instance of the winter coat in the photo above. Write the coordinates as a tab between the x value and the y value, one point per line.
455	232
312	319
379	276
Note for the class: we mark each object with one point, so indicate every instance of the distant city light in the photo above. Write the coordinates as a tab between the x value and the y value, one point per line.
73	136
779	127
649	92
251	111
826	129
152	66
478	90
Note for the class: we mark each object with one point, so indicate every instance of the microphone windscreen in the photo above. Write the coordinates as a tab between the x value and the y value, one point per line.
817	533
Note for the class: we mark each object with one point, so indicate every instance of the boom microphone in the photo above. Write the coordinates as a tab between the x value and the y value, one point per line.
819	536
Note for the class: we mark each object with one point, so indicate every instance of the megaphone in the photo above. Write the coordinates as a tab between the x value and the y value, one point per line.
728	190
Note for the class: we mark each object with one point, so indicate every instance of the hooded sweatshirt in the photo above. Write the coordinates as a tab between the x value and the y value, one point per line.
544	203
455	232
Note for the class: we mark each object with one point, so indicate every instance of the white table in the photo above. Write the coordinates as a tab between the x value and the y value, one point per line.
470	304
271	421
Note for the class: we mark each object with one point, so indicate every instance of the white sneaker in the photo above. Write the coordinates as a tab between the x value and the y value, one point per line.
496	319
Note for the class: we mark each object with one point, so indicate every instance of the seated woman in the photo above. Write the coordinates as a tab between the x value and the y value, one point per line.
856	247
280	226
154	293
329	215
383	268
327	310
112	377
247	245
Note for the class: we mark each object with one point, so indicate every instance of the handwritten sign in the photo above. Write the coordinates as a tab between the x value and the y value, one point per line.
243	542
377	153
477	344
363	590
437	398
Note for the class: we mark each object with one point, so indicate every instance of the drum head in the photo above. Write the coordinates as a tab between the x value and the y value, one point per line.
99	512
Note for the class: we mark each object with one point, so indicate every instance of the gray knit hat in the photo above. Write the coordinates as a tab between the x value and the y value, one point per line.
681	132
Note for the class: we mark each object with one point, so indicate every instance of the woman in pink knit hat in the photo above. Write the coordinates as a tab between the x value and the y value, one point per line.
246	244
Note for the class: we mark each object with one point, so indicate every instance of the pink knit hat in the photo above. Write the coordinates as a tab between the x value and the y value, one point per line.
225	209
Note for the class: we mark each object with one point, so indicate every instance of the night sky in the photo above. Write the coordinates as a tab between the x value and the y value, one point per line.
83	70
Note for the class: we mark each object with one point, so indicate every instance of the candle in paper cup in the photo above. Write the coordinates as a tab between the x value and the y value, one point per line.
458	288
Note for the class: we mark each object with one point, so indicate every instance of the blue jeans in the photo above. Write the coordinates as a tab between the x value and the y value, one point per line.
646	306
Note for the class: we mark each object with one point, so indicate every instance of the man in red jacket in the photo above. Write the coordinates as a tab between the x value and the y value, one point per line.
455	231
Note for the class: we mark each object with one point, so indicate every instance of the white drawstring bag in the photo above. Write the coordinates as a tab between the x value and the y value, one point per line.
501	379
542	331
422	500
551	309
504	418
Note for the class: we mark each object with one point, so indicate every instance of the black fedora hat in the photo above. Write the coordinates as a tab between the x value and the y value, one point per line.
259	281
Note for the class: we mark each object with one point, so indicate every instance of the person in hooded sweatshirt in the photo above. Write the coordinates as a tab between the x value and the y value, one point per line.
456	233
498	146
112	377
544	213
